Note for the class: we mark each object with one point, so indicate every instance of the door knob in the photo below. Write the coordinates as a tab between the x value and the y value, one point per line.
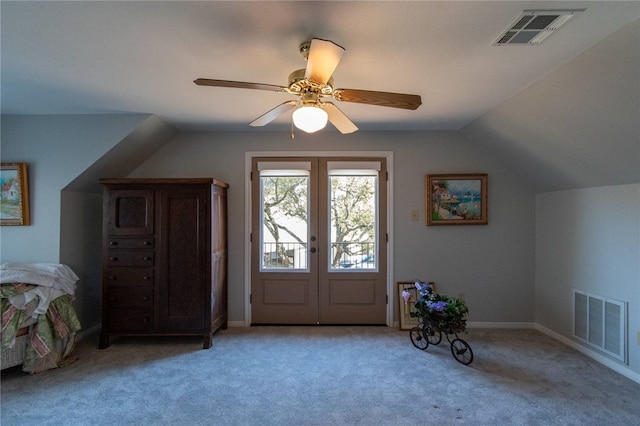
312	250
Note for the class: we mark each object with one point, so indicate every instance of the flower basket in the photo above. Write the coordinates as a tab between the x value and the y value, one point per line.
441	312
446	323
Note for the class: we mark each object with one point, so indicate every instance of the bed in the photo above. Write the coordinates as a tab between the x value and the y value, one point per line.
39	323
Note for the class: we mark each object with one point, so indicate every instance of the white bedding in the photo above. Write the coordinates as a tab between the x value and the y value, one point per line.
53	280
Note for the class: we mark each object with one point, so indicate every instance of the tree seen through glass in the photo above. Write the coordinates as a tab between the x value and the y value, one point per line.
352	222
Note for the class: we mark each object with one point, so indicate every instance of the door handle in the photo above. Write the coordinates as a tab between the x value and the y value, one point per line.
312	250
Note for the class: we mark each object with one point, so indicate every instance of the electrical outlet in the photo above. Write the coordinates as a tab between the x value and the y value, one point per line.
415	215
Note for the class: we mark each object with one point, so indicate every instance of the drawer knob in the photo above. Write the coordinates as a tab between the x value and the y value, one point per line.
112	277
146	243
147	258
145	298
113	258
146	278
113	243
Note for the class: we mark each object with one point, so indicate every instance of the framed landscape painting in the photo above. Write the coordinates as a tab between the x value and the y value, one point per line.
14	200
456	199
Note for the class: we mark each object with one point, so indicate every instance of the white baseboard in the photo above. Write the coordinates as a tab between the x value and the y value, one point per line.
607	362
513	325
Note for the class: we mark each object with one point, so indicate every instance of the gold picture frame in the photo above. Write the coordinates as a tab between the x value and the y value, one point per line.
407	306
456	199
14	200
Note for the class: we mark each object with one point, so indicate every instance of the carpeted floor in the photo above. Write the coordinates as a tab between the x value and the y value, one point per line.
323	376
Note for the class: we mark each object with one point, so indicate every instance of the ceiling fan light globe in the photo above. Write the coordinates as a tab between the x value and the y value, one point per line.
310	119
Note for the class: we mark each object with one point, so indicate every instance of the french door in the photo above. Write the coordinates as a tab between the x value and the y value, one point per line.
318	240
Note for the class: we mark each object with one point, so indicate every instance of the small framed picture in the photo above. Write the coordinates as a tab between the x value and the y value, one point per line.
456	199
14	200
408	295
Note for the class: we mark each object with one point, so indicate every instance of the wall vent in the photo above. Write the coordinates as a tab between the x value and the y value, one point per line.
601	322
535	26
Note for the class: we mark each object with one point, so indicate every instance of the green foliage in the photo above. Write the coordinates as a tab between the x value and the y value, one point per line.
445	313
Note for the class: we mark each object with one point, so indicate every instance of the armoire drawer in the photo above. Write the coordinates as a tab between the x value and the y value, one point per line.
130	243
128	276
130	321
130	258
136	297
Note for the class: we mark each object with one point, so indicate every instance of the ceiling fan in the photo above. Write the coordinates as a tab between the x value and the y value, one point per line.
312	85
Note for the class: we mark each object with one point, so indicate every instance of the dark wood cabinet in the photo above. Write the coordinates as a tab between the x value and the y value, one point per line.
164	257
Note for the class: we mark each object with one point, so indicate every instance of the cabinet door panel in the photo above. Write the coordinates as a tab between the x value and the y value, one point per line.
182	265
130	212
218	257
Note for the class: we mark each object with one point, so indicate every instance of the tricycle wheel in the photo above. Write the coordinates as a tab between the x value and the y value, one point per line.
418	339
461	351
433	335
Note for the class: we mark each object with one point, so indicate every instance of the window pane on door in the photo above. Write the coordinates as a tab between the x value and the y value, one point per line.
284	222
353	220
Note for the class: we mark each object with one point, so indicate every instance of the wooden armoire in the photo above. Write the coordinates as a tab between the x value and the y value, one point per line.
164	257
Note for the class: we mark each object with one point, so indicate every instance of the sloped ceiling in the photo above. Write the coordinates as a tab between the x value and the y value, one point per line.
577	127
142	57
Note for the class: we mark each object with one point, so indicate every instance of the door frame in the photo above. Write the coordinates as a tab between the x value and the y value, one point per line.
248	158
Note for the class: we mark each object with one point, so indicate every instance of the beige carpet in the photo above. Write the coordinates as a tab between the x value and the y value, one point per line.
323	376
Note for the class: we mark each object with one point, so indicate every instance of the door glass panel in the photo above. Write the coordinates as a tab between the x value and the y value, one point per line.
353	220
285	220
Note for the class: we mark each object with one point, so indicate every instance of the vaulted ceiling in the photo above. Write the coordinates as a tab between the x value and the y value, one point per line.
121	57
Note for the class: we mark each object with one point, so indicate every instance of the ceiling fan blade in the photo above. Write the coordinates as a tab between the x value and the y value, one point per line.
339	119
271	115
388	99
324	56
238	84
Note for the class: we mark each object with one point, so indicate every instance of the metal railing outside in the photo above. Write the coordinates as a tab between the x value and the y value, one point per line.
293	255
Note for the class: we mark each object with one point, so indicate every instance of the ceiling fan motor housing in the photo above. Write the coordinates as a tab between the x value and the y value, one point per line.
309	97
298	83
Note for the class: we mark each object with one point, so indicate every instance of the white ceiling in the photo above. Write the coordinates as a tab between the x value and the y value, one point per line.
119	57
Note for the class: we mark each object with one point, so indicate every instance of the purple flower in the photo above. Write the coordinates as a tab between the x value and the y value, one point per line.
438	306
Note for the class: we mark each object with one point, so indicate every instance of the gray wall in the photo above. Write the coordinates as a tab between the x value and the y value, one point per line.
589	240
493	265
66	225
57	149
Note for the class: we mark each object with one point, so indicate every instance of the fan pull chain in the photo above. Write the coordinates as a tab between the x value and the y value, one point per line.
292	135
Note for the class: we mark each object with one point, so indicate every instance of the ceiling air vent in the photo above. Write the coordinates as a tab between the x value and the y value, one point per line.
534	26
